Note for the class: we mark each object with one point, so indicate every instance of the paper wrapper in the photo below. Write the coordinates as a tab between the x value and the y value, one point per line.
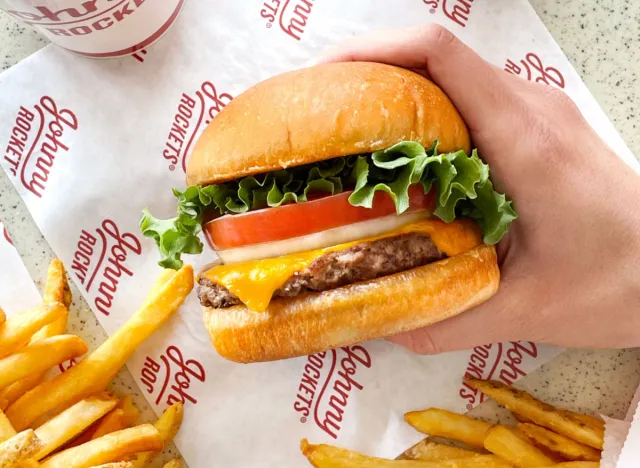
630	453
614	436
91	143
622	438
17	291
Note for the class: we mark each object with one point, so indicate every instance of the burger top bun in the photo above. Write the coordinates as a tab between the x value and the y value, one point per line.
321	113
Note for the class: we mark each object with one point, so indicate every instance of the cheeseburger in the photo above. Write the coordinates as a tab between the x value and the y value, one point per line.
344	204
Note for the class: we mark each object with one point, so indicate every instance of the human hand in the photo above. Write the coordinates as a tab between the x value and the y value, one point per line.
571	262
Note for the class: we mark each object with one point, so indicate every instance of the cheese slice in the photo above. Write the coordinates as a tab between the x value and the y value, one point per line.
254	282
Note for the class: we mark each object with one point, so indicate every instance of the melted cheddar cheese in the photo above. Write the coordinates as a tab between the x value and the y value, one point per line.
254	282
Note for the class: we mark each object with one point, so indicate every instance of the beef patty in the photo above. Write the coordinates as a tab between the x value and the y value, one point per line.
362	262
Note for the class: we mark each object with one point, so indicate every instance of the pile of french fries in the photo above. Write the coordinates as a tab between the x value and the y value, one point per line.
544	437
70	420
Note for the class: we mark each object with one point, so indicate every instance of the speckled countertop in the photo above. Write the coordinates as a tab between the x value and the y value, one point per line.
601	39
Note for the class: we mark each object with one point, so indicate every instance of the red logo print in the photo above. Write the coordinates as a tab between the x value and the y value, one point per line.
36	140
95	16
44	15
65	366
328	380
502	361
175	370
139	56
532	69
457	11
5	234
292	15
193	114
101	256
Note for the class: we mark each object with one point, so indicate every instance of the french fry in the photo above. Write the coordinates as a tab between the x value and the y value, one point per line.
120	464
590	421
3	316
112	422
432	451
72	421
577	464
93	373
107	449
542	414
56	291
164	277
174	463
511	446
168	425
29	463
19	448
442	423
124	415
327	456
39	356
6	429
18	329
129	410
14	391
558	444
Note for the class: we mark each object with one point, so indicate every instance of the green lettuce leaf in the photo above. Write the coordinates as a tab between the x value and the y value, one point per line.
461	182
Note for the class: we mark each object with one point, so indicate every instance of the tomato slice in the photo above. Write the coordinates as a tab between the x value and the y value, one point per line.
300	219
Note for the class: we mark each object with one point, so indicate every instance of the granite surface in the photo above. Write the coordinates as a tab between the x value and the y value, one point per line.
601	39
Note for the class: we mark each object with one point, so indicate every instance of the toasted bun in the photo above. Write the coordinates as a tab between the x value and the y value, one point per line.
320	113
363	311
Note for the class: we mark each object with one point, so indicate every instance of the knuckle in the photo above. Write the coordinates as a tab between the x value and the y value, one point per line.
560	98
438	36
560	104
550	120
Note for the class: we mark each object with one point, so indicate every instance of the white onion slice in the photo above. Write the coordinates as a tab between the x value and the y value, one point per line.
318	240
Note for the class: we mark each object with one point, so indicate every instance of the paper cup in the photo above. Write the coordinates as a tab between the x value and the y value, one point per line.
97	28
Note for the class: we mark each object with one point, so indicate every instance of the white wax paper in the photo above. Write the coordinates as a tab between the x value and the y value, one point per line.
105	146
622	439
17	291
615	433
630	453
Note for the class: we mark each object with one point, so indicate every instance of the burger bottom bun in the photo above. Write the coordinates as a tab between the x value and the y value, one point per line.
358	312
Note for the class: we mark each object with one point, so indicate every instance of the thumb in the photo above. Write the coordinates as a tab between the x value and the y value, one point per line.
473	85
501	318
